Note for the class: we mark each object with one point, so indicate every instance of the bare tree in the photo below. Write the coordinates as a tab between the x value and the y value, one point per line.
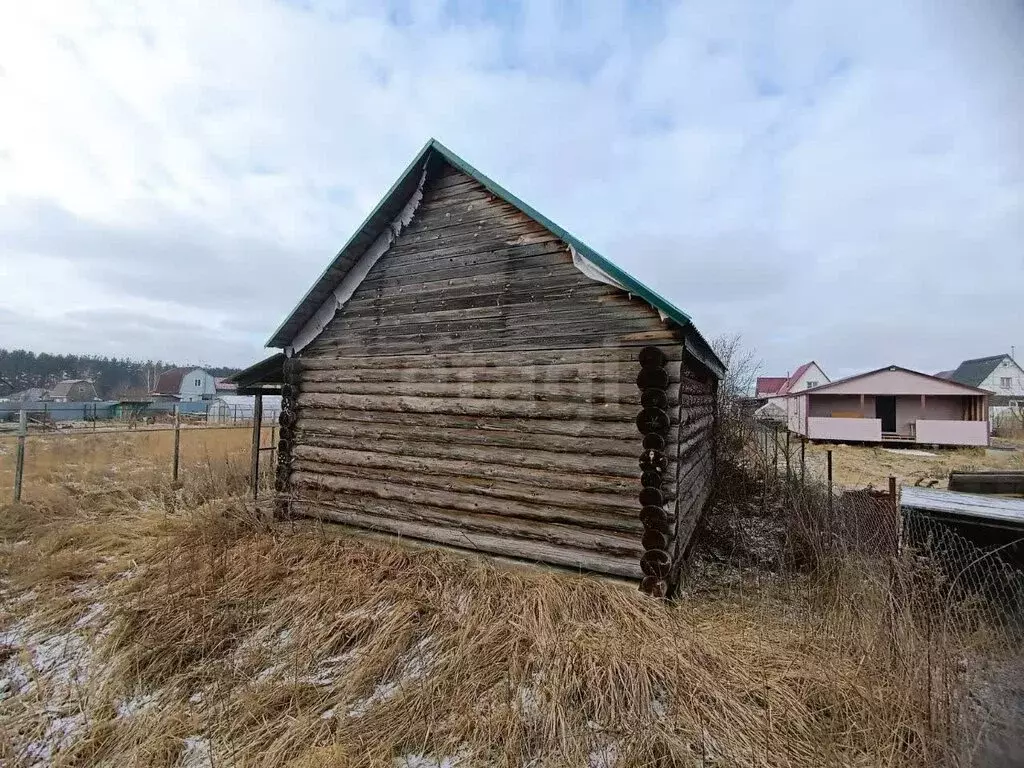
742	367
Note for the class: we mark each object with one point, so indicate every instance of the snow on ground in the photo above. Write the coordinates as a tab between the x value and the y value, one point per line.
197	753
55	667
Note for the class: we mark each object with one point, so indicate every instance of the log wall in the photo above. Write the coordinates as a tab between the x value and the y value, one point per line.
479	391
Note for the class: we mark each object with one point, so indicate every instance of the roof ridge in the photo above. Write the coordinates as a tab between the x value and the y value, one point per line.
986	358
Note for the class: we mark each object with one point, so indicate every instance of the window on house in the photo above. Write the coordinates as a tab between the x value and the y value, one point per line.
811	384
1005	382
199	382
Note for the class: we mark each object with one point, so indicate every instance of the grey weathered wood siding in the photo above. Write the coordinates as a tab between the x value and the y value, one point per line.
479	391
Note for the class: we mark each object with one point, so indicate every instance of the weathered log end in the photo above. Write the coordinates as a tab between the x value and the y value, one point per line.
654	422
287	420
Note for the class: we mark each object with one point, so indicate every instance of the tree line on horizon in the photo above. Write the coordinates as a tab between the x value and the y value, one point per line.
113	377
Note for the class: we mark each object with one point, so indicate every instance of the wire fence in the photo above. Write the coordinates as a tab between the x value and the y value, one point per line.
35	458
975	573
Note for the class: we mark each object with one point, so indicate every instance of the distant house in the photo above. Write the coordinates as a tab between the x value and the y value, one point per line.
806	376
223	385
73	391
30	395
999	374
891	404
186	385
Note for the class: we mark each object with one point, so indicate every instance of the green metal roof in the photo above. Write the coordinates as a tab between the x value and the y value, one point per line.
431	157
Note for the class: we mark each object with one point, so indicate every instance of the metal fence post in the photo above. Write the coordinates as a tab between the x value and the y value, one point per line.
775	457
803	462
829	459
177	443
19	467
257	429
788	473
897	523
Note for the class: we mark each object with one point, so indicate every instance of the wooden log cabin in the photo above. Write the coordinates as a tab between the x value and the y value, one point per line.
468	373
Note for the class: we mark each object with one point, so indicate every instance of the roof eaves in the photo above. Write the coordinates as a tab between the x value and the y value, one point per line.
278	338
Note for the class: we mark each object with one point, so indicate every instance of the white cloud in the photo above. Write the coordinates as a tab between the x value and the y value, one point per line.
842	182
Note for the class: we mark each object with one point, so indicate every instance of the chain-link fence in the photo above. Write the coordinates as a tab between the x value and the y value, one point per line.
973	568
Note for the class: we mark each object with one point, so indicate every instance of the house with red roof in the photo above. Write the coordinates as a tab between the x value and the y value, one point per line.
185	385
806	376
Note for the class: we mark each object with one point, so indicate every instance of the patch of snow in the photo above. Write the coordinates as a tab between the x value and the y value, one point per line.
136	704
606	756
197	753
328	714
413	760
270	672
908	452
529	701
59	734
196	698
90	617
413	666
658	707
327	670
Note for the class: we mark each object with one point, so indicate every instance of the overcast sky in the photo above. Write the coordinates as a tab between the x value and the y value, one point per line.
837	181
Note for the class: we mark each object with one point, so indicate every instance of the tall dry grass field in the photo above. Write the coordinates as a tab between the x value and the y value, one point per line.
856	466
213	461
144	625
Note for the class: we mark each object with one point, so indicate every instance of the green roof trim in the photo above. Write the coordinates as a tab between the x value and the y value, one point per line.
396	197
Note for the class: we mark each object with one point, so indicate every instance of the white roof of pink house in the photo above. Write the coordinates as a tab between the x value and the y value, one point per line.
893	380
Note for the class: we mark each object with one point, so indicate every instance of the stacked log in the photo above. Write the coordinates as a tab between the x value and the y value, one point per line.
286	441
654	422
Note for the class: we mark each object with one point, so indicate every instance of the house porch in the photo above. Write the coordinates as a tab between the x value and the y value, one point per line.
905	419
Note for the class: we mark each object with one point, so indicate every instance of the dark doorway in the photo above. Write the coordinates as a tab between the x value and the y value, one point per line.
885	409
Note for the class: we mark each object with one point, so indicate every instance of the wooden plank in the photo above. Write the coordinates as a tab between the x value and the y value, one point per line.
492	259
453	214
500	234
489	342
593	354
987	482
617	511
516	513
505	270
568	373
525	439
500	327
321	447
474	407
617	430
481	542
530	391
372	304
456	468
383	316
456	279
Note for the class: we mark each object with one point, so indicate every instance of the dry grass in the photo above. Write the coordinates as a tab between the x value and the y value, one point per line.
135	463
856	466
136	633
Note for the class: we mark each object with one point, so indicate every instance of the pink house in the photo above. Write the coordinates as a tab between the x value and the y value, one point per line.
891	404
